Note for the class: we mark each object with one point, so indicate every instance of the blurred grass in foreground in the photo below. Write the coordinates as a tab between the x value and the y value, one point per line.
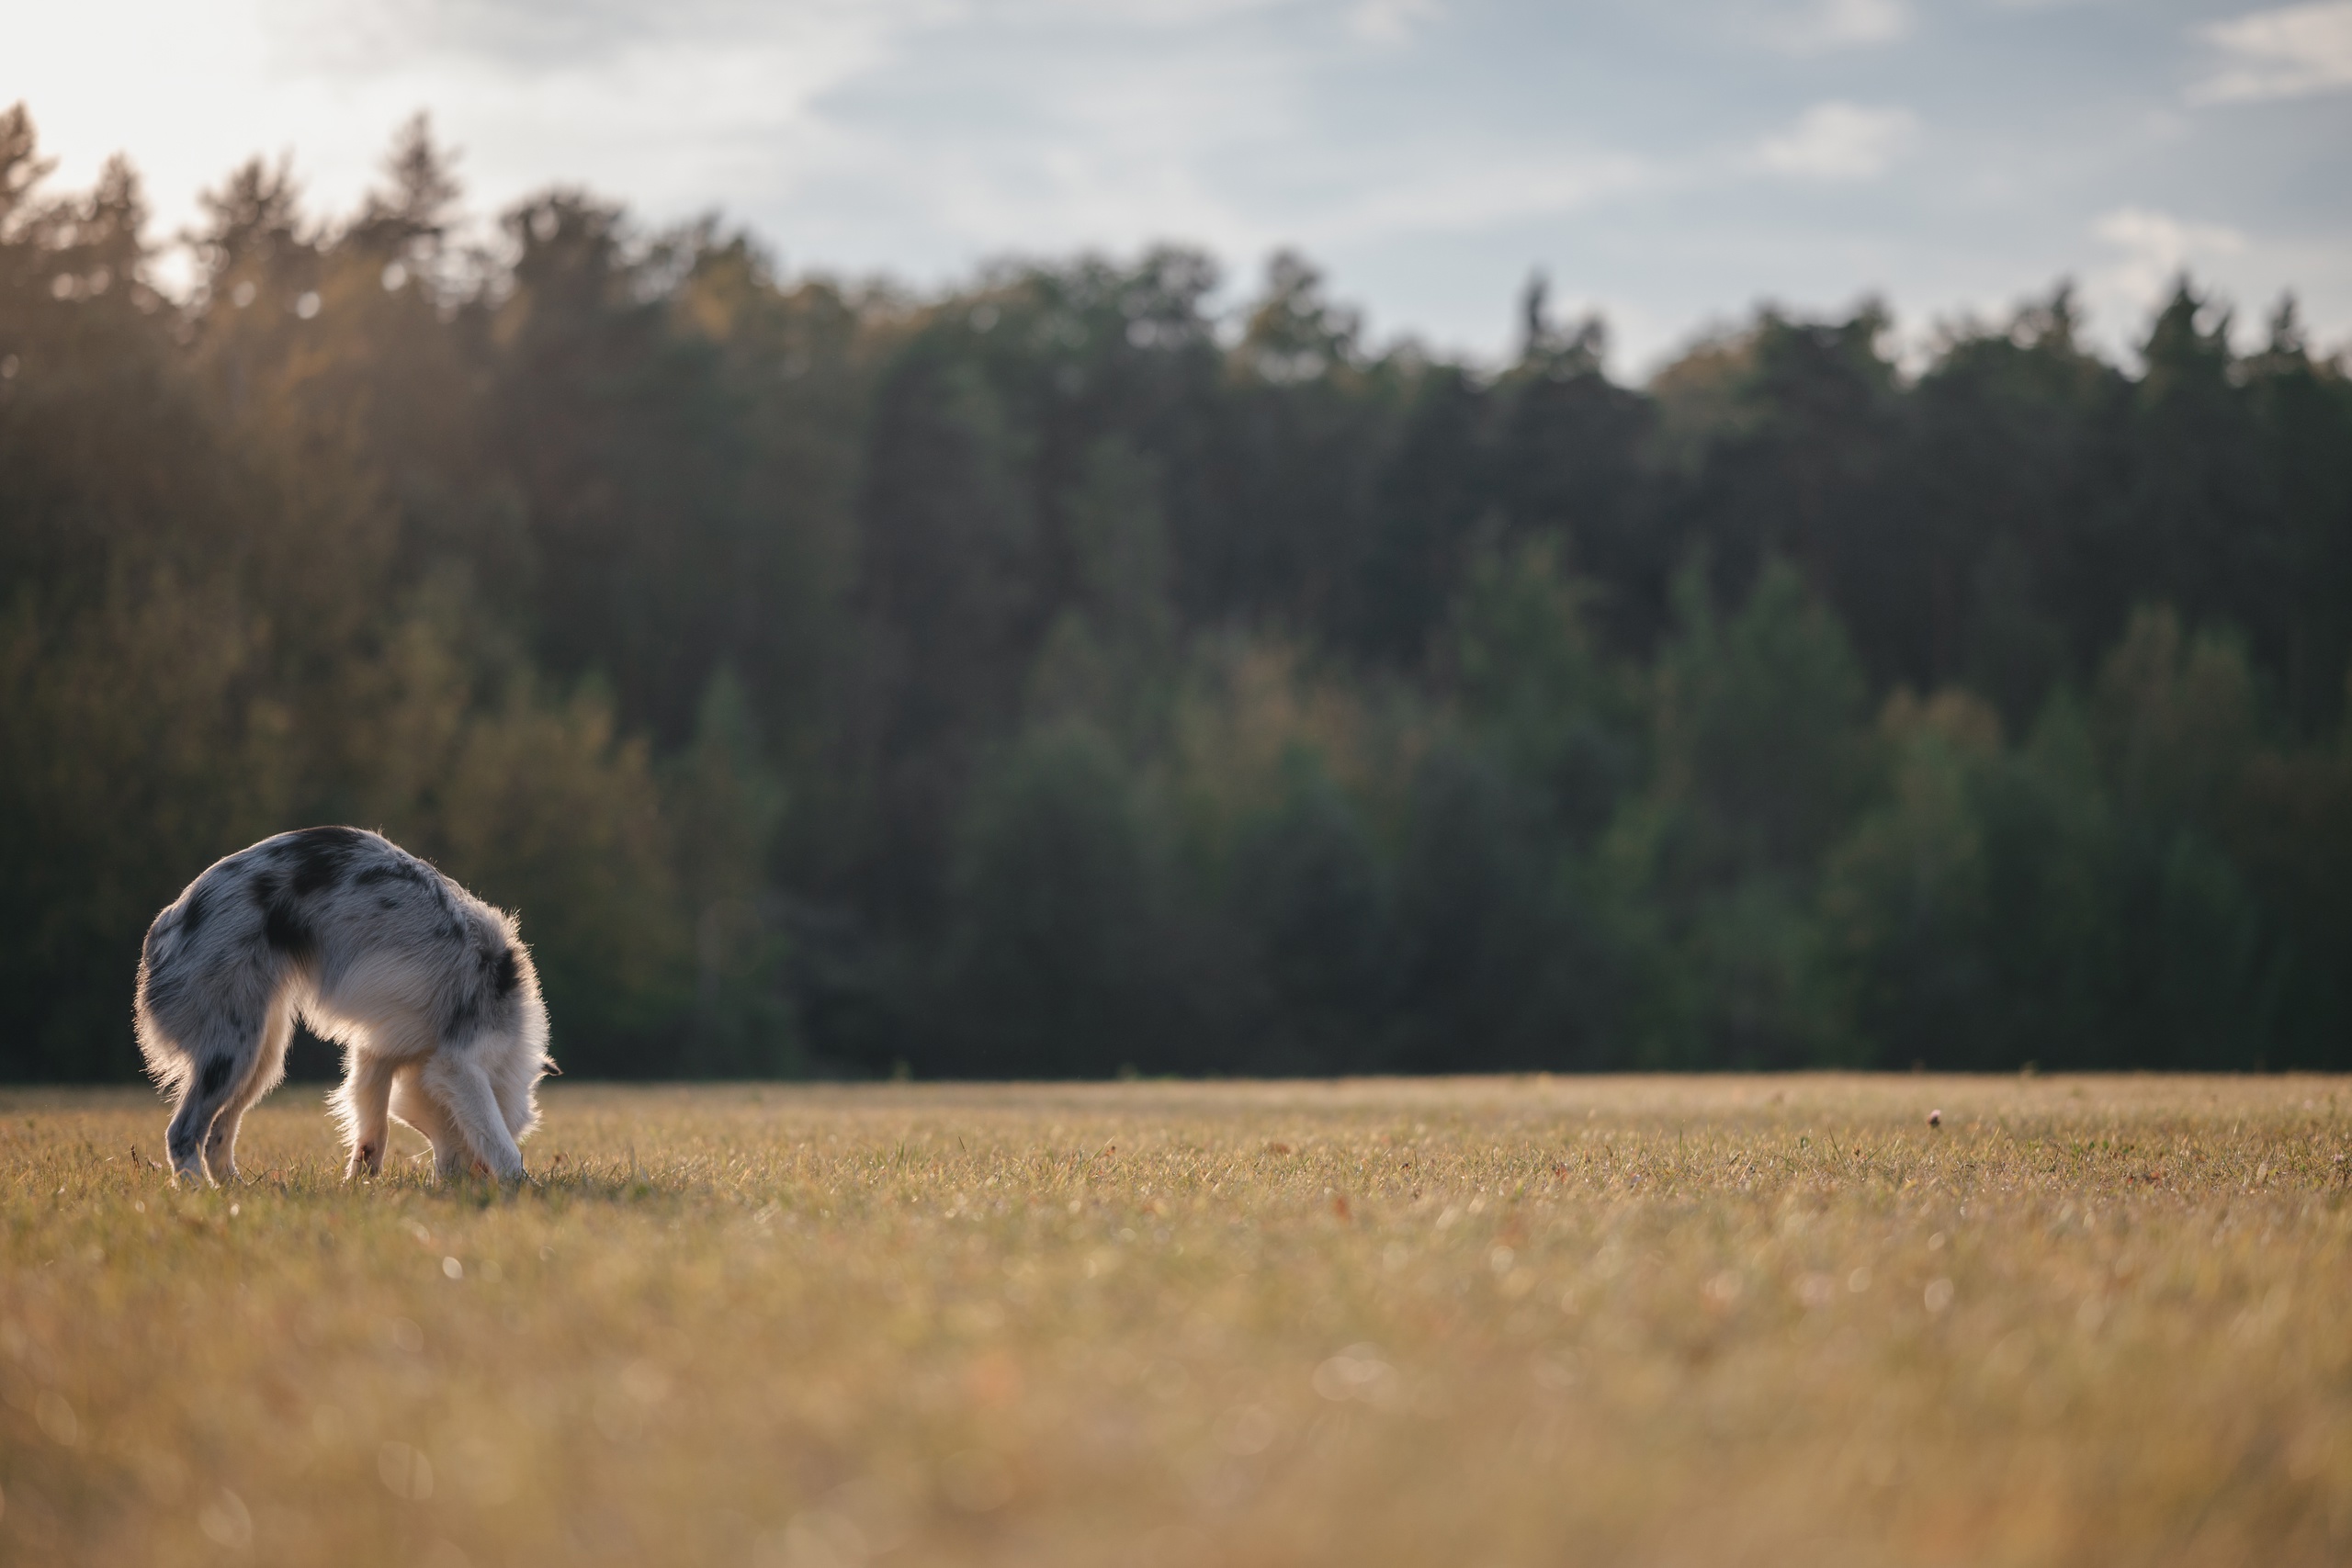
1478	1322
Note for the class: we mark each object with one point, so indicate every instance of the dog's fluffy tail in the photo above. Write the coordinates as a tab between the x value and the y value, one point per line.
168	1063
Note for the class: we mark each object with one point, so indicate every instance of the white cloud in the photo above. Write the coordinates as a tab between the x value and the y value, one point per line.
1819	27
1839	22
1170	15
363	37
1476	192
2156	247
2286	54
1392	21
1841	141
601	95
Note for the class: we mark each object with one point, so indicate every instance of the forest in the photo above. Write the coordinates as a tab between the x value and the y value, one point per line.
1066	675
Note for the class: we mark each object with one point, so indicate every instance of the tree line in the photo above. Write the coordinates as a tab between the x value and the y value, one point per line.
1058	674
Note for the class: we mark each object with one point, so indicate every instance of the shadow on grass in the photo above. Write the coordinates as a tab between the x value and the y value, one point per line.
613	1182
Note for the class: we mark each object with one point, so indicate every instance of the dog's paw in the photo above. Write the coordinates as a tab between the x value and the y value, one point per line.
517	1177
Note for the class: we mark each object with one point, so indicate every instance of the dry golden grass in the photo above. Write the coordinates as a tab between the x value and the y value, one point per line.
1718	1321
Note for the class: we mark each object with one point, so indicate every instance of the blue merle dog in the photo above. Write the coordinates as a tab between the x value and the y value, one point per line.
428	989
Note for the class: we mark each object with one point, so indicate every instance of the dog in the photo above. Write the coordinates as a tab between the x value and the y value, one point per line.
429	990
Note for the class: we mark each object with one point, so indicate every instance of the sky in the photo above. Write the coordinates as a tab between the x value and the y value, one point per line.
1669	164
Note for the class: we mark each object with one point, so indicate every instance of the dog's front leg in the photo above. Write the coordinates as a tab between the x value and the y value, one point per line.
413	1105
364	1102
460	1083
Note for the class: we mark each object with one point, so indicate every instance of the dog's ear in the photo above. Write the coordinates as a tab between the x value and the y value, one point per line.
548	1062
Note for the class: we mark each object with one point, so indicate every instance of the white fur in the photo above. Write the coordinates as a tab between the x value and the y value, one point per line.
429	990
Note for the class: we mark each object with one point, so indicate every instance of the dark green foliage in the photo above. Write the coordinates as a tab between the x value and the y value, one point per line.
1761	765
1537	689
1500	963
1056	955
1310	906
724	804
1053	676
2073	900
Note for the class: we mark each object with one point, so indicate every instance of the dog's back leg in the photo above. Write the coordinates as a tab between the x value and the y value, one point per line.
262	1074
222	1060
362	1105
457	1081
200	1101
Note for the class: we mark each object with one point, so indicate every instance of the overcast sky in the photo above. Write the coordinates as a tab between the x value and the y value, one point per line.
1670	163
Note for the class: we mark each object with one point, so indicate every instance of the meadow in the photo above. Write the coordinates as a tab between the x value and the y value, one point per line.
1479	1322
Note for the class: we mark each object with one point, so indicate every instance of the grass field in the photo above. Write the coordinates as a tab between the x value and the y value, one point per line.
1532	1321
